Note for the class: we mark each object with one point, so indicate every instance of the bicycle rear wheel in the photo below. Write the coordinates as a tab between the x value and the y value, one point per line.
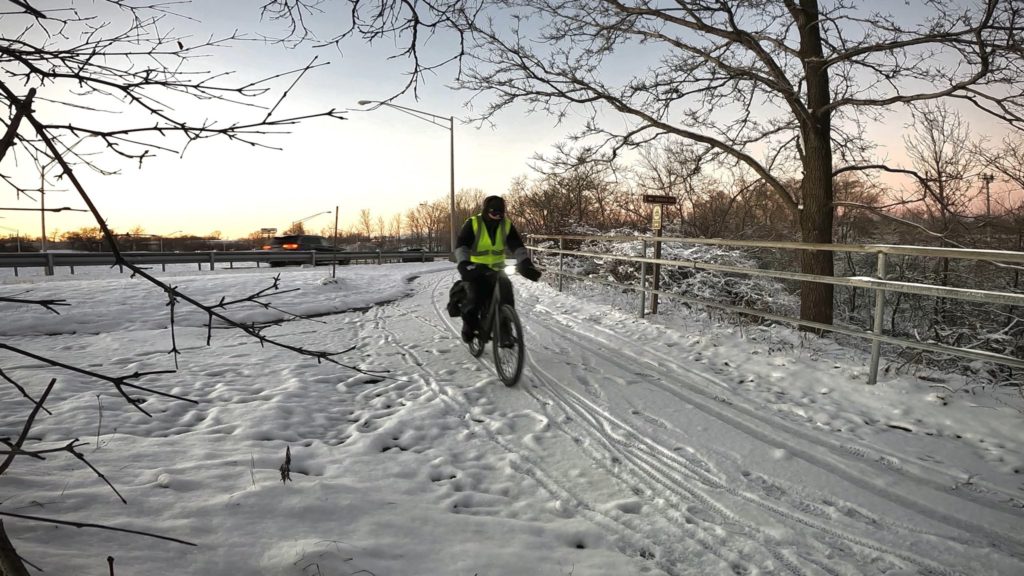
508	348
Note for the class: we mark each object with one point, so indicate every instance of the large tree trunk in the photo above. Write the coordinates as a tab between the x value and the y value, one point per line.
816	189
816	227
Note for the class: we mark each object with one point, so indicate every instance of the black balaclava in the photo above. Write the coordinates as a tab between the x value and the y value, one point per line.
494	203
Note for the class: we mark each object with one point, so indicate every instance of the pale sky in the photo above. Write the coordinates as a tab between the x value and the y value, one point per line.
383	161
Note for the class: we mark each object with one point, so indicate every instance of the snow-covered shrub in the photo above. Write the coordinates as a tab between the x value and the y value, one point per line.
755	292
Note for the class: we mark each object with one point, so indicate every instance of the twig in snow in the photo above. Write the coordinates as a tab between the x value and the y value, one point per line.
99	423
48	304
286	467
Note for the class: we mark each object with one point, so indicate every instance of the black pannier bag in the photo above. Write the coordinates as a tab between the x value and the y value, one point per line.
456	295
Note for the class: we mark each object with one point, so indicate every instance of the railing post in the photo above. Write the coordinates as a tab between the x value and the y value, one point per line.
876	345
211	259
656	272
643	278
561	262
49	264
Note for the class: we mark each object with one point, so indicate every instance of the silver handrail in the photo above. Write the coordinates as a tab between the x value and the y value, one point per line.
878	284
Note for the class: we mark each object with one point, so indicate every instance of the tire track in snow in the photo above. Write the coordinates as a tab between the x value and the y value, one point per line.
837	462
638	543
626	455
661	469
984	497
614	436
621	444
719	408
663	474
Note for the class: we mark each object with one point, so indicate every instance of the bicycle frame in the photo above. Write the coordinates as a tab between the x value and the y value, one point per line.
490	317
509	352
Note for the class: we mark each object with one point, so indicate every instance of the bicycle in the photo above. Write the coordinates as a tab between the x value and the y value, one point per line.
501	326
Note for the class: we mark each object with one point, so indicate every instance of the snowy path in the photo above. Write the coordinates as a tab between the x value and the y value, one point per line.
628	448
681	471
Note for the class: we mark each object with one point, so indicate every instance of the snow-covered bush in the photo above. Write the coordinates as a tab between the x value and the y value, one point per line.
909	316
754	292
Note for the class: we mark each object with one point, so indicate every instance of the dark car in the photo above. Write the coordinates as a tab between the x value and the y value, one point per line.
299	243
415	255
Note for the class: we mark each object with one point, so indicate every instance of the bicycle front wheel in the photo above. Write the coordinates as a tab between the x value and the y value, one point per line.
509	351
476	346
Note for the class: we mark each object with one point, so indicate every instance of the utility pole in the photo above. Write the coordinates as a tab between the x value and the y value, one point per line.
42	208
987	179
334	244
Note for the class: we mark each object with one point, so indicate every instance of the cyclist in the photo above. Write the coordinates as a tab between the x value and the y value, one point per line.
479	251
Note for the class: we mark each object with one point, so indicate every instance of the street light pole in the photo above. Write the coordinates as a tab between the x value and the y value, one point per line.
436	120
162	239
42	203
42	208
451	182
301	220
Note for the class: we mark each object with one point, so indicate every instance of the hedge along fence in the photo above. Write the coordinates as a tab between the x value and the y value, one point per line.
879	285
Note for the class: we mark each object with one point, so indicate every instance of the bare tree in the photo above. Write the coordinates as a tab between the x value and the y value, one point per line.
85	62
256	239
382	232
468	201
395	229
295	228
582	187
940	148
365	224
436	220
781	86
1007	162
416	224
669	167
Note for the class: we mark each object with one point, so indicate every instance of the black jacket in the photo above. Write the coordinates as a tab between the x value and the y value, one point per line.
513	242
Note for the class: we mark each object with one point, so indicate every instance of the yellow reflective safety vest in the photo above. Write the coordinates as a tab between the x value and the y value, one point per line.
485	251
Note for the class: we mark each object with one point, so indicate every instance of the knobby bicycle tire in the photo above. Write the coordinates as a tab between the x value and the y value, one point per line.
509	359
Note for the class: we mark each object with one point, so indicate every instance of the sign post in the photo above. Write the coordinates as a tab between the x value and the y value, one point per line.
657	201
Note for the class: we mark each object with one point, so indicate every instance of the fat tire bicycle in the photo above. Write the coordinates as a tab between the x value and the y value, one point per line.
500	325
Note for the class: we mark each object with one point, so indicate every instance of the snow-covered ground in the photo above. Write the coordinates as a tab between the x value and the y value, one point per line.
673	446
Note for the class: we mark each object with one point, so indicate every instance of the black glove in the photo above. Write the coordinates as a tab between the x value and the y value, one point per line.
528	270
469	271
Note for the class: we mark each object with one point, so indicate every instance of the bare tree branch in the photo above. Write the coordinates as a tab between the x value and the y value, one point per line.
16	446
91	525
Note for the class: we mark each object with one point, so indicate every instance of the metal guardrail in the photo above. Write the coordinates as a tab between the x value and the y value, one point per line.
878	284
51	260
